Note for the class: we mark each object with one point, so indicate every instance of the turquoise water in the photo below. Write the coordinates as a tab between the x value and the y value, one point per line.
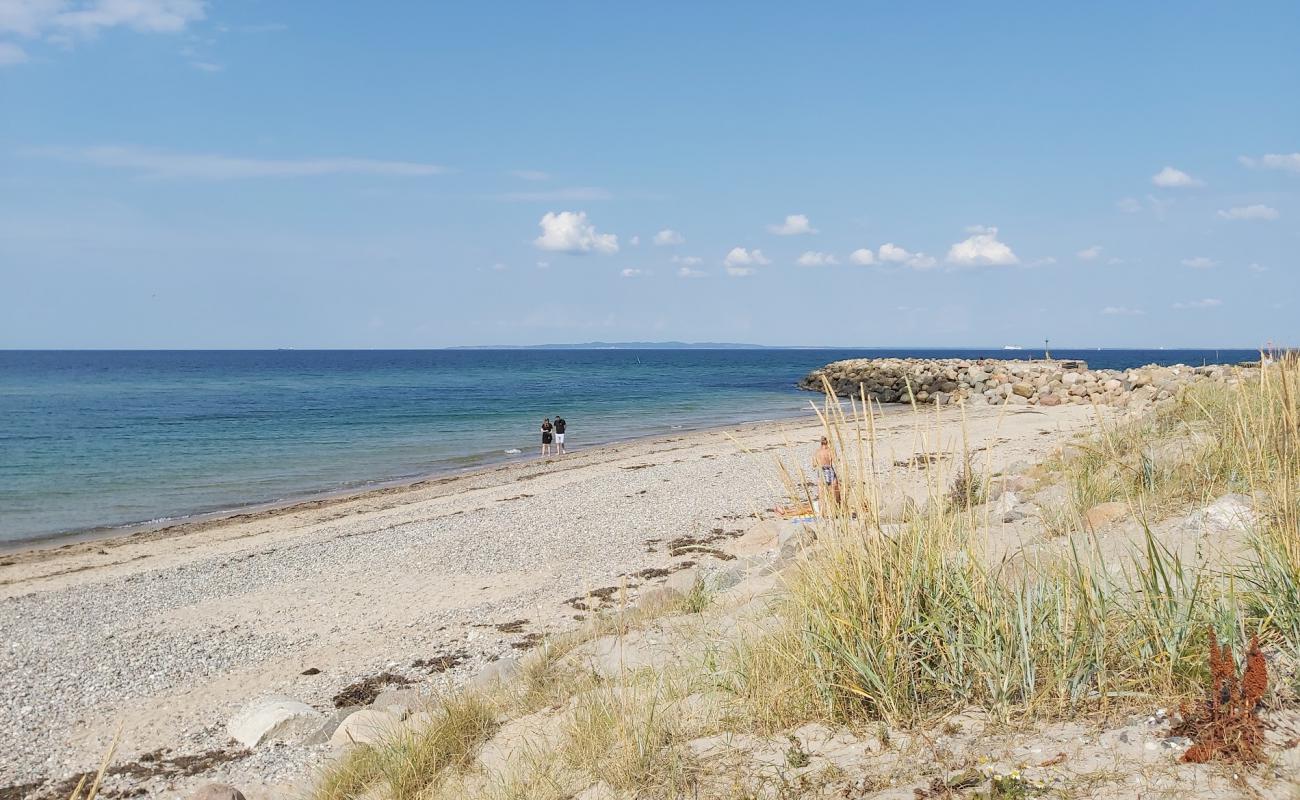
95	439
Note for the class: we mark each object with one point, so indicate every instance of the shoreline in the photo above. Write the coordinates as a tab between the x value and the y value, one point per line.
170	633
23	551
184	523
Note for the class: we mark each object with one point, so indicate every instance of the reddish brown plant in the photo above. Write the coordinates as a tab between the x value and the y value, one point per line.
1226	726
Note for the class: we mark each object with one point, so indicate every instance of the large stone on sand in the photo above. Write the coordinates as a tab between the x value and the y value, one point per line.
1231	513
273	717
503	670
217	791
1103	514
366	726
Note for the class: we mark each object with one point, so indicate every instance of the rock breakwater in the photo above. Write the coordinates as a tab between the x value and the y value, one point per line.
992	381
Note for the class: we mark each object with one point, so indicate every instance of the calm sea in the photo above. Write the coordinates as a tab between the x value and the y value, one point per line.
98	439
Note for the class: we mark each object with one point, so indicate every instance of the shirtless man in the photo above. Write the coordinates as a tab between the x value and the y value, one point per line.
824	462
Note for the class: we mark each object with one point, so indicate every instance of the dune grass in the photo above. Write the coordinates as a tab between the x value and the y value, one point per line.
914	624
406	764
902	619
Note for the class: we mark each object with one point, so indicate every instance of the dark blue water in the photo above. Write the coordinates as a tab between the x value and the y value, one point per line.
92	439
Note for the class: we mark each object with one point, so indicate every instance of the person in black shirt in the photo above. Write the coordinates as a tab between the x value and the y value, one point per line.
546	436
559	434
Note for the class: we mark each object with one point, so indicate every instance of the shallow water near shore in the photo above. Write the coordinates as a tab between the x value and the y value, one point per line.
101	439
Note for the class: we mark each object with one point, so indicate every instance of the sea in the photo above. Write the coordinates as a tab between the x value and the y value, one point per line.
93	441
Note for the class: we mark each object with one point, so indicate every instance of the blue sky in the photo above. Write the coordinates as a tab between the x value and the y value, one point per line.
179	173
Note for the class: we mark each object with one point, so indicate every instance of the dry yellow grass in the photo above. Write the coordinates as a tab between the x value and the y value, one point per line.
905	623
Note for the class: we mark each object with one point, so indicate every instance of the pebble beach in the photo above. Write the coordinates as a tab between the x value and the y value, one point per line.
167	634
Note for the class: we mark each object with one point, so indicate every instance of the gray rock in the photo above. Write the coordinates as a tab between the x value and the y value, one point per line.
795	539
217	791
613	656
1005	504
1231	513
503	670
400	701
332	722
725	579
273	717
658	597
683	580
366	726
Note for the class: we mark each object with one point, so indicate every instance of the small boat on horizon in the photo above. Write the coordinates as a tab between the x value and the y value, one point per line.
1012	347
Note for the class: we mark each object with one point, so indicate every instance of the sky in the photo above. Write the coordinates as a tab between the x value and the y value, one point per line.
243	174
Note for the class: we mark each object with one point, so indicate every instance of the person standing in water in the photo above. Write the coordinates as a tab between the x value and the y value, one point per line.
824	462
560	425
546	436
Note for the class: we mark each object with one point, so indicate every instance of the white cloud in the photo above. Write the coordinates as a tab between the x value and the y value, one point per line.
1170	178
1257	268
11	54
570	232
635	241
1199	262
862	256
208	166
794	225
1209	302
1122	311
33	18
740	272
687	272
740	257
1089	253
1129	205
530	174
896	255
1257	211
668	236
689	261
981	249
1287	162
499	267
543	265
554	195
632	272
814	258
206	66
1045	261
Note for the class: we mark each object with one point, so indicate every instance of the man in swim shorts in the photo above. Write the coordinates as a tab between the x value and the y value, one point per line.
559	434
824	462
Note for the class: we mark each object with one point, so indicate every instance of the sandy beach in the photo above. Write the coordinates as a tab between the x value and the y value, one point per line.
168	633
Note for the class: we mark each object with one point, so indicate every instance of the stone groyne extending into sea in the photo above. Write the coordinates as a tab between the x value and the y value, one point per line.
992	381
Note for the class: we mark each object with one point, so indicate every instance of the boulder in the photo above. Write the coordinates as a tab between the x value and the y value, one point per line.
1103	514
502	670
217	791
366	726
657	597
598	791
1053	497
1005	504
613	656
400	701
516	739
725	579
760	537
323	733
683	580
273	717
1230	514
795	539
